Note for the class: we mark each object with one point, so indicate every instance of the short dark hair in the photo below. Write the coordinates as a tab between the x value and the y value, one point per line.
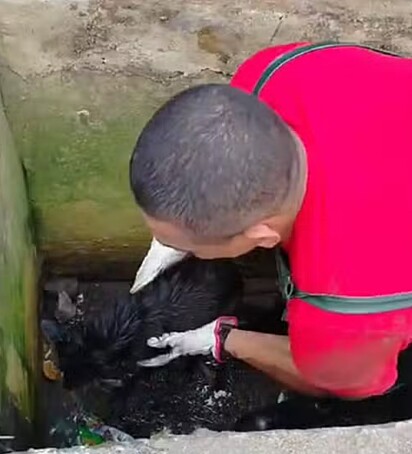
214	160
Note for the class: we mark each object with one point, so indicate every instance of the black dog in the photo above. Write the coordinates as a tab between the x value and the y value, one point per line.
190	392
110	343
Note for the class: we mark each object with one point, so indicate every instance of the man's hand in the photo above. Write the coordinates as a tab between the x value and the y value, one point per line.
208	339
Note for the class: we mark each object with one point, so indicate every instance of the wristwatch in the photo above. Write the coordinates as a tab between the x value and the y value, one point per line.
224	327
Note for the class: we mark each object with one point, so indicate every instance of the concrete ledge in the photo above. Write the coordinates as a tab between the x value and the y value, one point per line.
384	439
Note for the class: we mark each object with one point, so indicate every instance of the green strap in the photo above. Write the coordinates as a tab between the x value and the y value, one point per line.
331	303
339	304
360	305
280	61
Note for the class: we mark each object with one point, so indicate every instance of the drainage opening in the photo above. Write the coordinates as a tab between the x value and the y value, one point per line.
95	333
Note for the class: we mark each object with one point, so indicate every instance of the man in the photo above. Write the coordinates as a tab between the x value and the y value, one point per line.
309	148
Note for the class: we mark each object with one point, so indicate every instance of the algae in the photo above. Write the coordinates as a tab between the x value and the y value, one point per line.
18	295
76	136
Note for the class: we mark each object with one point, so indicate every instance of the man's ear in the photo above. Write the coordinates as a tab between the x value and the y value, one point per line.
263	235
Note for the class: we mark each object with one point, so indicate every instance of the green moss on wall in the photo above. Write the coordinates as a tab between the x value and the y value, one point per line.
76	135
75	131
18	295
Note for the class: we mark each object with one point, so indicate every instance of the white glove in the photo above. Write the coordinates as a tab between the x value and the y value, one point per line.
158	259
202	341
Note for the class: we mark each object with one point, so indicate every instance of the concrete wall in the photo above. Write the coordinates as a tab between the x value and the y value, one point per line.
81	77
18	297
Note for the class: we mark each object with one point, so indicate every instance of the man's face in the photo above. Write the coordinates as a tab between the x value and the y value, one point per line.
174	237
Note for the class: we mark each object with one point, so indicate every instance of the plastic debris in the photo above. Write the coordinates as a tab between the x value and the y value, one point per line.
65	310
93	432
50	365
51	371
113	434
89	437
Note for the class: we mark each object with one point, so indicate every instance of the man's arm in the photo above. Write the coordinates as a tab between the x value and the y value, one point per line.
268	353
346	362
271	355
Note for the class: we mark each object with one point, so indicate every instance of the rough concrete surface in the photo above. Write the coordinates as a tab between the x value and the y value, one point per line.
81	77
18	296
167	40
388	439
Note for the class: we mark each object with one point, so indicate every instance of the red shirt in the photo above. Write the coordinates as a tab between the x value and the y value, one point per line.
352	108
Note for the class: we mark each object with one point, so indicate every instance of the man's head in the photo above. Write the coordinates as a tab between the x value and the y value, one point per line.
217	173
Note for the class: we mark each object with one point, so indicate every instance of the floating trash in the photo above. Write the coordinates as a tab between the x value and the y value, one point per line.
92	432
65	310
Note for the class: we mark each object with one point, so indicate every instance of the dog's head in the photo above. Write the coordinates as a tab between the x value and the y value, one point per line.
108	345
100	348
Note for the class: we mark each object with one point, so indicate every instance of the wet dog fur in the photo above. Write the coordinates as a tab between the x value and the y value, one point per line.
109	344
